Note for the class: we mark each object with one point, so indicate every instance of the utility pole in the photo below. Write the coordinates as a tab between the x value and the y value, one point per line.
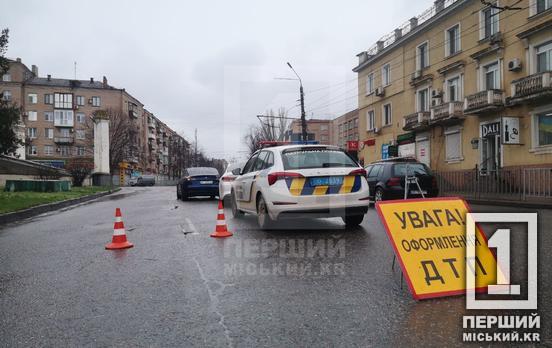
195	148
302	99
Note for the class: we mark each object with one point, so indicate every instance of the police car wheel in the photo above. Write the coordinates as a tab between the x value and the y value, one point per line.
353	220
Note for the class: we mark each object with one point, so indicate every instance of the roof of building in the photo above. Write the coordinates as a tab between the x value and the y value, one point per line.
67	83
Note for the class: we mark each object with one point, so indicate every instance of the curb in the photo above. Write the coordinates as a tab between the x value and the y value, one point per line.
44	208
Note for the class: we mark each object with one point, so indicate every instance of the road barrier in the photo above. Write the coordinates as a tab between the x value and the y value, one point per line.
119	240
525	184
221	231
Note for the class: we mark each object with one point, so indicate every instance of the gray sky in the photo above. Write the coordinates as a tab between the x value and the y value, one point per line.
208	65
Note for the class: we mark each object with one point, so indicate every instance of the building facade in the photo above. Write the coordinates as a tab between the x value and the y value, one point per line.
462	86
317	130
57	120
345	128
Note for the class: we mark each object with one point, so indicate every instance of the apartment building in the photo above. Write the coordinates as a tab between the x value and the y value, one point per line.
317	130
345	128
57	119
462	86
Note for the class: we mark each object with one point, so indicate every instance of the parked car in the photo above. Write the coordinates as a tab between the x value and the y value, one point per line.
133	181
145	180
301	181
387	179
198	181
225	182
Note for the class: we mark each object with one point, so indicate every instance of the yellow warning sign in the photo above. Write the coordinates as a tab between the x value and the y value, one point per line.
429	239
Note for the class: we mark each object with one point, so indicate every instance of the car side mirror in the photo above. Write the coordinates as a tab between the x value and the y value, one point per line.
236	171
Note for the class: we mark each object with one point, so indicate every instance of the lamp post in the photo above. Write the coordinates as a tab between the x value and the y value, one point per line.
302	98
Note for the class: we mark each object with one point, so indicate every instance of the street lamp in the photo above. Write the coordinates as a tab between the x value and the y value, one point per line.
303	120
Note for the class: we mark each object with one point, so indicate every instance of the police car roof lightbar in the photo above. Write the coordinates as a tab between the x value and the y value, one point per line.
264	144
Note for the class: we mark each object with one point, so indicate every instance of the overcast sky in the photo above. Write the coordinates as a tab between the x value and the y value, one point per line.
209	65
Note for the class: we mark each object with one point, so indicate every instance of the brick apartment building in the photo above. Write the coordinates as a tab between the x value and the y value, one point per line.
345	128
57	121
317	129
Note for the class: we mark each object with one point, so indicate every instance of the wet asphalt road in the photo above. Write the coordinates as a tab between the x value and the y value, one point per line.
178	287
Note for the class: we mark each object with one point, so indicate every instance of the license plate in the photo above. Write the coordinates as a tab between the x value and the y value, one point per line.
205	182
418	192
327	181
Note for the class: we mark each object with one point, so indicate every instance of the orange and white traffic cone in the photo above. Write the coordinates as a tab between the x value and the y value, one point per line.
221	231
119	240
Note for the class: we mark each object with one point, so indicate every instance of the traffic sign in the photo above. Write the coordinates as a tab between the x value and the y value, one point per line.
429	239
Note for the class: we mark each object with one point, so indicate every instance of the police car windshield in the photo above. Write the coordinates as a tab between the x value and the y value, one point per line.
316	158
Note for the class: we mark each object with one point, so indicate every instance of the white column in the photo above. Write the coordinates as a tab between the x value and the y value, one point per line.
101	146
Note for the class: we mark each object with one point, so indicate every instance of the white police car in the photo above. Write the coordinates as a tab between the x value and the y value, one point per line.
301	181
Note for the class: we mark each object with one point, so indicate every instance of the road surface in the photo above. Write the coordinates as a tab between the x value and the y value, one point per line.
178	287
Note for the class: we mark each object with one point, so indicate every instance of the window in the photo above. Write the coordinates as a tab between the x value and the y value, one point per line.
96	101
32	115
249	165
543	5
49	133
324	127
6	78
370	120
340	128
31	150
6	95
323	138
453	145
48	116
422	100
375	172
32	98
80	100
453	89
64	150
63	101
315	158
370	83
386	117
488	22
491	76
79	150
32	132
48	99
350	124
452	40
81	117
80	134
65	133
63	118
48	150
355	121
386	74
422	56
544	57
544	129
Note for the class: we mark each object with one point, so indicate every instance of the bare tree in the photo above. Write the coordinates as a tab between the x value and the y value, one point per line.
271	128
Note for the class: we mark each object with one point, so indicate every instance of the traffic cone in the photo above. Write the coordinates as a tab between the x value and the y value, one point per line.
221	231
119	240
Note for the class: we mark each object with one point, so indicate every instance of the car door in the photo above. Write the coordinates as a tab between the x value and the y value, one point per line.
372	179
250	177
241	181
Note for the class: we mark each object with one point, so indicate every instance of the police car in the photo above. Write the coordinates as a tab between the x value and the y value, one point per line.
301	181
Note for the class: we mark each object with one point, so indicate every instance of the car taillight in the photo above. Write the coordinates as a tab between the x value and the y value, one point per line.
361	172
394	182
273	177
228	178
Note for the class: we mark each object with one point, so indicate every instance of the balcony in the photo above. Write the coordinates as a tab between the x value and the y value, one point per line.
131	159
416	121
484	101
64	140
532	88
151	136
447	113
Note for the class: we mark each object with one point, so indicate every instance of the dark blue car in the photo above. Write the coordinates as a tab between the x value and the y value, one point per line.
198	182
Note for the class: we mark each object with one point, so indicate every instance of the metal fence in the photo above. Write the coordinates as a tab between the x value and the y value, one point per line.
525	184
